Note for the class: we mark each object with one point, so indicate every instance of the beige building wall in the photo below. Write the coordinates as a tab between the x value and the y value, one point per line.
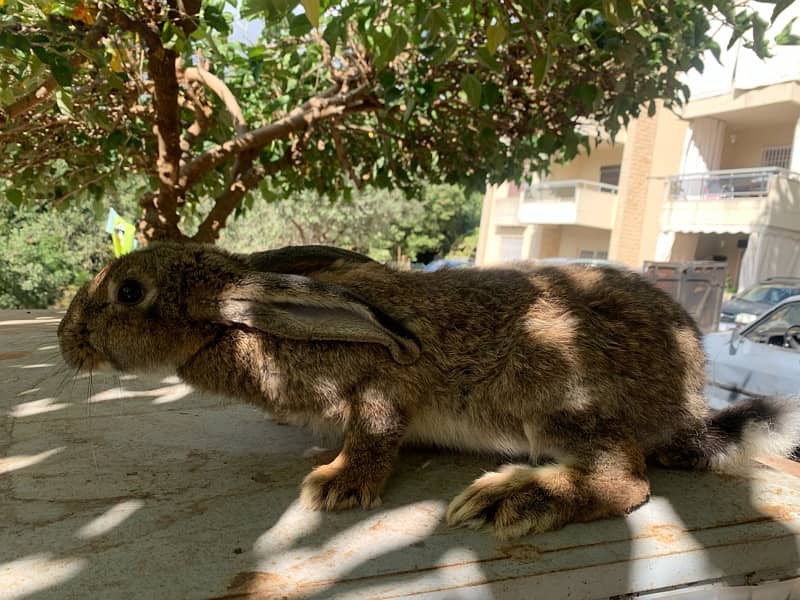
588	166
485	233
575	238
626	234
653	152
551	241
743	147
667	155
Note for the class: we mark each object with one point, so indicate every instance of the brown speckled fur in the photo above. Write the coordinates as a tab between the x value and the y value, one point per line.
591	368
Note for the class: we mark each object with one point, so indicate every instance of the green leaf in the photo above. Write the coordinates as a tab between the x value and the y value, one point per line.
780	6
14	196
610	12
586	92
390	46
715	50
539	67
760	44
786	37
333	32
312	11
624	10
446	51
215	18
495	35
299	25
64	102
435	20
272	10
472	88
490	94
62	71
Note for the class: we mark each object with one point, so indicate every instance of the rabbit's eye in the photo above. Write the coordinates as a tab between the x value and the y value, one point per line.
130	292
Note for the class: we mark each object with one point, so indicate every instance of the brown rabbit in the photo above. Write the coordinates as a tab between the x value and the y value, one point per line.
585	371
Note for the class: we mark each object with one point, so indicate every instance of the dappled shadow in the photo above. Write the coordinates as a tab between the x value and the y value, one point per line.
137	488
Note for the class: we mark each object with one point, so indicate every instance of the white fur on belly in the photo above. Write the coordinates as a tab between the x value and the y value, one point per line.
460	434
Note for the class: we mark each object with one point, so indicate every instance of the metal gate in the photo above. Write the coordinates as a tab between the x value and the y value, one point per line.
697	285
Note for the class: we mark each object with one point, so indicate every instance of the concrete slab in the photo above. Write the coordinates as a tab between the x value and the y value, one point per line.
129	487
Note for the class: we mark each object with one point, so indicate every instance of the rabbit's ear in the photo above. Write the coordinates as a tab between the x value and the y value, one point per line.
301	260
296	307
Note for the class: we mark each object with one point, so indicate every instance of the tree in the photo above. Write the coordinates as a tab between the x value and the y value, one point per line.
384	224
45	253
335	94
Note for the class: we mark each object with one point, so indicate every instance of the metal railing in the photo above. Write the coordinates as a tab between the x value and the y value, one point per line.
729	183
564	191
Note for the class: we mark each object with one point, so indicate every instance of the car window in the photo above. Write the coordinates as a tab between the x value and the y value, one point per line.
769	294
775	324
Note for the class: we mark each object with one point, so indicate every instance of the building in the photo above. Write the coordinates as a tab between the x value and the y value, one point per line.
719	181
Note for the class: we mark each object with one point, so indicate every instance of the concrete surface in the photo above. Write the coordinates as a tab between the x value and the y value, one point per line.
123	487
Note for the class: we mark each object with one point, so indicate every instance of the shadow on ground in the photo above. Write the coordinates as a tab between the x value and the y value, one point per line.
141	488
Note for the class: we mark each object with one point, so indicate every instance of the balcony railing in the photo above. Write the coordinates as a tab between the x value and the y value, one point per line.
730	183
564	191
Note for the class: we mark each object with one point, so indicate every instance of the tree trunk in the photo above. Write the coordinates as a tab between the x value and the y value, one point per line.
153	225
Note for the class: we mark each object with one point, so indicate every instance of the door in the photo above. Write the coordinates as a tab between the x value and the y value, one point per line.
763	360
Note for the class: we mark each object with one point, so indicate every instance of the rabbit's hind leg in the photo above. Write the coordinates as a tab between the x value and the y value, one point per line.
610	480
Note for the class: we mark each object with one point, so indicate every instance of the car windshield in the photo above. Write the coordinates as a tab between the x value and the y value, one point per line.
776	323
769	294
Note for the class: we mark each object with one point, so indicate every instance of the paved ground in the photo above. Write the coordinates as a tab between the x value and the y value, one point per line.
121	487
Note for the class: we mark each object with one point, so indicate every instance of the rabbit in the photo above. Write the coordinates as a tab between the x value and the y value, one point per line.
576	375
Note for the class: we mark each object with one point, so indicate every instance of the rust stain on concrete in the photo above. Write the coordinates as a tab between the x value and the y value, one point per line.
13	355
666	534
521	552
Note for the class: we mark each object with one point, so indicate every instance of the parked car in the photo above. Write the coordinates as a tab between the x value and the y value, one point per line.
447	263
763	358
586	262
746	306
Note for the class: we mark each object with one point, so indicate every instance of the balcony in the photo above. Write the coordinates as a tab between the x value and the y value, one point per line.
573	202
732	201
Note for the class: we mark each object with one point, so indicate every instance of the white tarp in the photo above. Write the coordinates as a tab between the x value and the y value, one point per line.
664	244
770	253
702	146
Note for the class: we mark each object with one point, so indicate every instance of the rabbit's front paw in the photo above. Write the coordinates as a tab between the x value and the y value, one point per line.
336	486
516	500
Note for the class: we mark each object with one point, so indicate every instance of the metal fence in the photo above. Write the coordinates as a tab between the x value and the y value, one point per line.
564	191
732	183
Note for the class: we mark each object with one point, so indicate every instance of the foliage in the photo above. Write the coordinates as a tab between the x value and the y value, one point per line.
44	253
381	223
333	94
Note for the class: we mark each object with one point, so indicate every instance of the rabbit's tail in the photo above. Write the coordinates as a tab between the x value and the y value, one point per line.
735	435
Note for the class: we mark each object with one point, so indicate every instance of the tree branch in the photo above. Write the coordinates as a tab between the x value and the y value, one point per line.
226	203
161	66
300	230
203	113
43	92
320	107
220	88
161	209
341	154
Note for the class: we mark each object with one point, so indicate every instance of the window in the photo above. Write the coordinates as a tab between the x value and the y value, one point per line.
593	254
768	294
610	175
772	329
776	156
